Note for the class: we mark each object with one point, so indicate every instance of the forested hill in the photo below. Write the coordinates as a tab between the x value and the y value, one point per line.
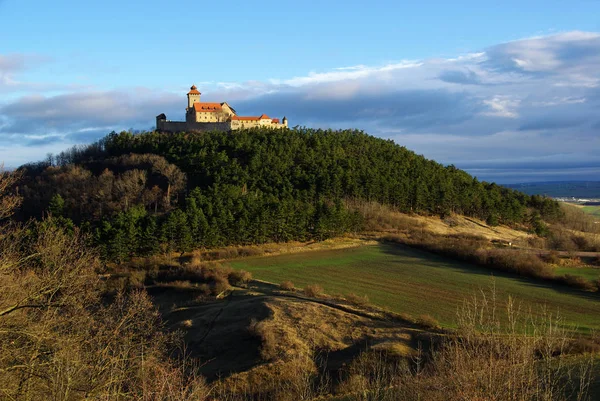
138	193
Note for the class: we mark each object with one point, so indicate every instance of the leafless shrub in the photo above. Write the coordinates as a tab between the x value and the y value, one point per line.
60	340
561	240
576	219
496	354
378	217
9	200
220	286
357	299
287	286
552	257
239	277
428	321
473	249
268	349
522	263
313	290
231	252
451	221
537	242
136	279
578	282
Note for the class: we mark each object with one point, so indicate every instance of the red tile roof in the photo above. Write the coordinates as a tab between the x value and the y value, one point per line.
193	91
264	116
205	107
245	118
275	121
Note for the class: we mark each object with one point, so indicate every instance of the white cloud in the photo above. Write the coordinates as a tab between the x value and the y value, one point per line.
502	106
345	73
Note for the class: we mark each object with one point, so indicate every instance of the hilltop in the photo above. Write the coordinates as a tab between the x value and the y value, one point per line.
182	191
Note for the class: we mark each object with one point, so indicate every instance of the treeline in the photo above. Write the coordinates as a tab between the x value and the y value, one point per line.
143	193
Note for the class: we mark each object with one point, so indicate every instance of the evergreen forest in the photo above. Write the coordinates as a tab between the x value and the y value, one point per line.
141	194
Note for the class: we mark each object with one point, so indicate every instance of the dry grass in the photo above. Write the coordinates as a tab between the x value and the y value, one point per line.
287	286
239	277
485	359
313	290
382	218
575	219
357	299
429	322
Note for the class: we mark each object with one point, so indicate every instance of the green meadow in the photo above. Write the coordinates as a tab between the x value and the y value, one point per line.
593	210
410	281
590	273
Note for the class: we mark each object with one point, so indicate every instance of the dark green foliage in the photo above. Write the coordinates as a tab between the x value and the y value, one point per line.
537	224
57	205
253	186
492	220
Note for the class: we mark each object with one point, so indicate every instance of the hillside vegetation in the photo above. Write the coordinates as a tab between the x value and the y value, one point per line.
76	327
140	194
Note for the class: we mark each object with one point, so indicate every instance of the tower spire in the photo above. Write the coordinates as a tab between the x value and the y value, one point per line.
193	96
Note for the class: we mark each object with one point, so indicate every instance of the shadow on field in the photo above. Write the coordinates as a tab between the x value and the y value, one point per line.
216	332
435	260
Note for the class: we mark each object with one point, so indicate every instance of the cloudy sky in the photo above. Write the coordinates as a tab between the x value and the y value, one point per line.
510	93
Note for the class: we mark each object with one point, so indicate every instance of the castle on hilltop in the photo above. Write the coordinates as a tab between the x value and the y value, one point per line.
204	116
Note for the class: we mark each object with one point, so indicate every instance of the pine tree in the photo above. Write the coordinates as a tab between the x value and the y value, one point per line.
56	206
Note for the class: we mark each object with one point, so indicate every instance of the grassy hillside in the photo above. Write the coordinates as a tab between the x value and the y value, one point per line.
410	281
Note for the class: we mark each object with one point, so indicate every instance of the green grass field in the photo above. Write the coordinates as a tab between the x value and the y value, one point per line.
589	273
592	210
414	282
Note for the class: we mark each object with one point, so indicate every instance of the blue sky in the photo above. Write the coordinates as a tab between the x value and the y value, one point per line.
508	91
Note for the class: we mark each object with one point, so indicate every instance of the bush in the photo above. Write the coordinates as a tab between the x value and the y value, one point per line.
239	277
137	278
492	220
220	286
522	263
181	285
552	258
581	242
357	299
428	321
268	348
561	240
286	286
313	290
578	282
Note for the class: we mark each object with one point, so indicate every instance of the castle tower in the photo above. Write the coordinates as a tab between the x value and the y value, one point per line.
193	96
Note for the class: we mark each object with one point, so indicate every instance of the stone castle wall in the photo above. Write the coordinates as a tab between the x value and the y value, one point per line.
183	126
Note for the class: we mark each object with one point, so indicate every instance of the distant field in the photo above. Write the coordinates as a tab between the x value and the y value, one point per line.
410	281
593	210
577	189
